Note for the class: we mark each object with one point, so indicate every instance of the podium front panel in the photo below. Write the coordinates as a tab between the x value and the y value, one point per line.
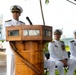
28	33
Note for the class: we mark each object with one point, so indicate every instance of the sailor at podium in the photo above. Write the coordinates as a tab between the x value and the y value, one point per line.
16	11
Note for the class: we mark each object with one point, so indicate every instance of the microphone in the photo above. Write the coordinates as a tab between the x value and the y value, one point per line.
29	20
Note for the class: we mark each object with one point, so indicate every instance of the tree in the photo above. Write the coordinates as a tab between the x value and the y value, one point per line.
73	2
46	1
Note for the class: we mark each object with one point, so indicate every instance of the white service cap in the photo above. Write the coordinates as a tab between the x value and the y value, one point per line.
58	31
16	8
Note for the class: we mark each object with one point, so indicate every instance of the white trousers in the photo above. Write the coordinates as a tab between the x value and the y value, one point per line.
50	65
71	64
10	64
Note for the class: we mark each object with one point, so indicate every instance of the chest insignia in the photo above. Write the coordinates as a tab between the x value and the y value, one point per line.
56	46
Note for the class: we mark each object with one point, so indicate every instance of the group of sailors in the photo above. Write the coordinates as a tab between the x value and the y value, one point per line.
59	56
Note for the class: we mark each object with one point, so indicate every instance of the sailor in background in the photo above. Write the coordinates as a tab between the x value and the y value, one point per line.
72	46
16	11
59	54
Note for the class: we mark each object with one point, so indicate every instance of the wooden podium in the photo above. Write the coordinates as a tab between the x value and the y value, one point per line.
27	43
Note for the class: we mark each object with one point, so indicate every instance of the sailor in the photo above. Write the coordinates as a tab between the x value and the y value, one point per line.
59	55
16	11
72	46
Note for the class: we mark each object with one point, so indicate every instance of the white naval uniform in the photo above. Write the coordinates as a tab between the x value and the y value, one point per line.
72	46
56	54
49	65
9	53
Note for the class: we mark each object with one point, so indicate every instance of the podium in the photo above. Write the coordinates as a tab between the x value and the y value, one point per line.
27	43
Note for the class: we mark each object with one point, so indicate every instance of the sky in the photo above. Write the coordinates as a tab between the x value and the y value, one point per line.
60	14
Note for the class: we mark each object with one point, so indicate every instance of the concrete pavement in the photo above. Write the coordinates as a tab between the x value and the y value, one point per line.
2	63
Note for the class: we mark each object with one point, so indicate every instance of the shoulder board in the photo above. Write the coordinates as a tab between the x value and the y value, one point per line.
21	21
8	21
53	41
72	41
62	42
